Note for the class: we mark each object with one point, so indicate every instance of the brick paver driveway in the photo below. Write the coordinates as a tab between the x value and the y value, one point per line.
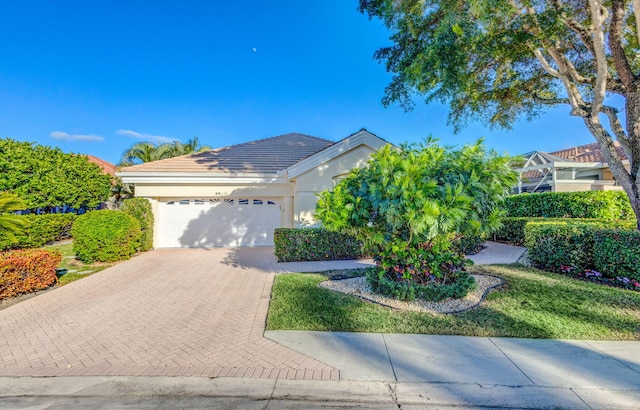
183	312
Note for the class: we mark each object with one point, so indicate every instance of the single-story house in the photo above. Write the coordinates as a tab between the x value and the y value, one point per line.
238	195
581	168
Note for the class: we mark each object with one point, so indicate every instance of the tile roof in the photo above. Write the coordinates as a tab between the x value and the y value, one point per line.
587	153
107	167
582	153
268	155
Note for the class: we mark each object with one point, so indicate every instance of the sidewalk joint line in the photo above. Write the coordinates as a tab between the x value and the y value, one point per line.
395	376
511	360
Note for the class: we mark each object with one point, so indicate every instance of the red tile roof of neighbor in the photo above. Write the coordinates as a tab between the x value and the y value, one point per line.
107	167
587	153
268	155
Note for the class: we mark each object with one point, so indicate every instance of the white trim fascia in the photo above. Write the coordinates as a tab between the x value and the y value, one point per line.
360	138
577	165
200	178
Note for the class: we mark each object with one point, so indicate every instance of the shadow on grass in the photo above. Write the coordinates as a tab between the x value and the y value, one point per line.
526	307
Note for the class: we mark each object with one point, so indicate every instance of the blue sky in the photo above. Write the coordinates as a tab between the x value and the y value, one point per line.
94	77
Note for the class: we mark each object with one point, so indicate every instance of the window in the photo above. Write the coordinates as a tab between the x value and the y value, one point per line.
257	201
184	202
229	201
198	201
243	202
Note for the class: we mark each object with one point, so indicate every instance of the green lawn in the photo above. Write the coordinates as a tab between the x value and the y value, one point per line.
532	304
70	268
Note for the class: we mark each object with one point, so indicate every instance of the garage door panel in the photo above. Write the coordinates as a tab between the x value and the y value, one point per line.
220	222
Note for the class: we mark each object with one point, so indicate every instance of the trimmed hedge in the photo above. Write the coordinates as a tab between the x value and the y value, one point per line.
403	290
616	253
608	205
105	236
561	246
29	270
140	209
41	230
512	230
314	244
469	244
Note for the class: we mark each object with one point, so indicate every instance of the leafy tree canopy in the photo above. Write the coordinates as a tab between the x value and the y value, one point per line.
496	60
45	177
409	203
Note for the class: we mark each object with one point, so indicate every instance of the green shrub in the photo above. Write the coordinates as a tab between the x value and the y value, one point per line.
40	230
140	208
561	246
609	205
24	271
512	230
469	244
461	283
105	236
616	253
314	244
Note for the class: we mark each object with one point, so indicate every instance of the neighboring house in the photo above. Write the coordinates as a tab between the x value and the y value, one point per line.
107	167
580	168
238	195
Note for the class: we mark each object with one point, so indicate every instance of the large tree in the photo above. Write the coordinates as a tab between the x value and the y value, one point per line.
45	177
497	60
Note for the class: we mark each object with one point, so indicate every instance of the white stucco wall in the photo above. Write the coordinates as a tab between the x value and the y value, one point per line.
321	178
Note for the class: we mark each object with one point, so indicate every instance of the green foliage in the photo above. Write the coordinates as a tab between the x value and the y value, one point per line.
409	204
512	229
460	285
142	152
105	236
617	253
496	61
25	271
140	208
469	244
40	230
561	246
10	224
607	205
314	244
45	177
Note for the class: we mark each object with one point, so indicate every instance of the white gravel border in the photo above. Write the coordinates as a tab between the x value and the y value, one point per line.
359	287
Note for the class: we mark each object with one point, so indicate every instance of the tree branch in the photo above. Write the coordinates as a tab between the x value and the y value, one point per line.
615	43
600	60
636	13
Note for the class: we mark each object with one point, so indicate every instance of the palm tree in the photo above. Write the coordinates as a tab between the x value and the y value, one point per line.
189	147
142	152
10	223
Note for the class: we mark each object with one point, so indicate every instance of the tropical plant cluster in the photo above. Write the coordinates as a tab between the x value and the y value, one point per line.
459	285
38	230
315	244
29	270
585	249
409	204
105	236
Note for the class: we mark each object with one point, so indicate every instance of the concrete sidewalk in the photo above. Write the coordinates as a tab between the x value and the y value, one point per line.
491	371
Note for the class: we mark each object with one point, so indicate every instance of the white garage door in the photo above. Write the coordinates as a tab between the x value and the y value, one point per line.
203	223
